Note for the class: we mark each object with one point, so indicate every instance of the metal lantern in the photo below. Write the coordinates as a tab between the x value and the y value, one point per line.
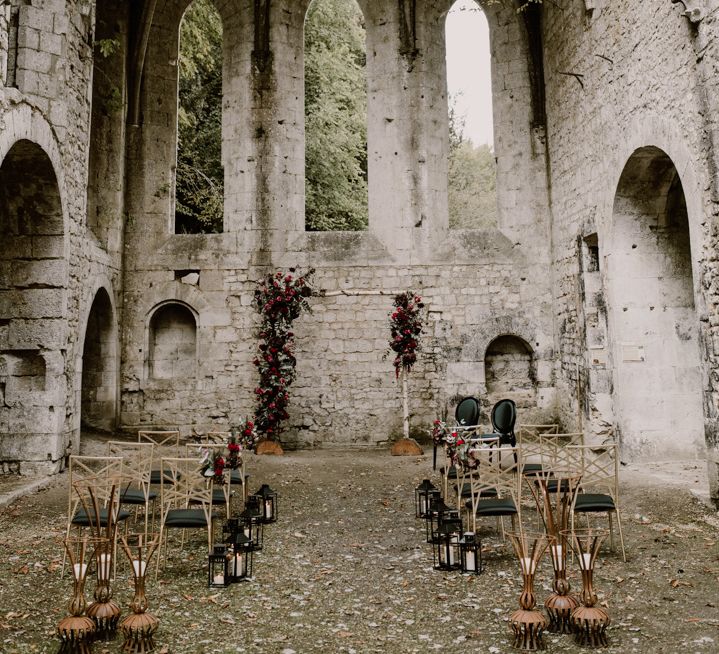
218	575
268	506
421	498
239	557
437	508
229	528
422	495
470	551
251	525
445	549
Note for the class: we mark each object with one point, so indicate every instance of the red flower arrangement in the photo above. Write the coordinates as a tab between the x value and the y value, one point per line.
280	299
406	330
243	436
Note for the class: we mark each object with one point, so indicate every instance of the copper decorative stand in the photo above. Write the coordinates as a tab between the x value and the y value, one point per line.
554	494
528	623
77	630
139	627
589	622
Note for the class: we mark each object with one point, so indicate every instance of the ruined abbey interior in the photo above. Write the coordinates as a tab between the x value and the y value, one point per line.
594	302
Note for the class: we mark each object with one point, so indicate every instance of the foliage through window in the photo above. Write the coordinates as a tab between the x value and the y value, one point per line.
335	117
199	191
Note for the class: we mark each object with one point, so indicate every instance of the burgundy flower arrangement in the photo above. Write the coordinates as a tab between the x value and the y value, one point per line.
280	299
243	437
406	329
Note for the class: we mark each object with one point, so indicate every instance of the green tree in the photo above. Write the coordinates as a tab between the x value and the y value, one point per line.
335	117
200	179
471	180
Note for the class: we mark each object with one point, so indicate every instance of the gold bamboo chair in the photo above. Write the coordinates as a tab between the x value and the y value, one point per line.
167	443
137	463
186	501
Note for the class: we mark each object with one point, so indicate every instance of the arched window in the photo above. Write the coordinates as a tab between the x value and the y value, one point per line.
199	183
471	183
172	343
335	117
509	370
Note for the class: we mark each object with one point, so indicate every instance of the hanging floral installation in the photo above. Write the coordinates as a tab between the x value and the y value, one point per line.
406	328
406	324
279	299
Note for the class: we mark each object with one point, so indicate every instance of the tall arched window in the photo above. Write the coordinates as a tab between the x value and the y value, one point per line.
471	186
172	343
335	117
199	186
509	371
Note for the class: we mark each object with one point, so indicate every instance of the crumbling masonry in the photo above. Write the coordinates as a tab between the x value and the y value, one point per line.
594	303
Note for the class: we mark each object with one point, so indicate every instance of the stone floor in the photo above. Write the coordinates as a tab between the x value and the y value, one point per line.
346	569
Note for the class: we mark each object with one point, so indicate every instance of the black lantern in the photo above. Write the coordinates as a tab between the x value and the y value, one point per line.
422	495
470	549
240	557
437	508
218	567
446	546
268	506
251	525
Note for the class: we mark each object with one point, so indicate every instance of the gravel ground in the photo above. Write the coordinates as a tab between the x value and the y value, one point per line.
346	569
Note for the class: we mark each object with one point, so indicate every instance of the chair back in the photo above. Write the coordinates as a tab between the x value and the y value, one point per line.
599	466
504	415
467	412
218	437
183	484
497	469
101	473
163	438
137	460
554	453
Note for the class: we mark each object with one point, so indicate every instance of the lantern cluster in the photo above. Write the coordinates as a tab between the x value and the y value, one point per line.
452	548
242	536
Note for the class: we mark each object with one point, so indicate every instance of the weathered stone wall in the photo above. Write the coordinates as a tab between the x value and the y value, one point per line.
478	285
622	77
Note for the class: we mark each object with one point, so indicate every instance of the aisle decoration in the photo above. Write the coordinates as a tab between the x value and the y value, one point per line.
406	326
280	299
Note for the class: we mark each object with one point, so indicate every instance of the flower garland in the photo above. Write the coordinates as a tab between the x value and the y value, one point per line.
242	437
213	466
280	299
406	329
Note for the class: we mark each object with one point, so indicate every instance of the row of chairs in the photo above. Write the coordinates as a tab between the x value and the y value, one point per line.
129	476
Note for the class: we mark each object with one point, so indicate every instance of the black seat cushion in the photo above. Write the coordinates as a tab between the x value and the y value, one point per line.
589	502
532	467
81	518
553	485
136	496
156	477
451	472
496	506
186	518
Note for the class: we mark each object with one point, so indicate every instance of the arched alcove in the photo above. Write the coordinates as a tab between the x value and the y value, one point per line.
472	170
335	117
99	366
657	376
33	280
172	343
199	178
509	371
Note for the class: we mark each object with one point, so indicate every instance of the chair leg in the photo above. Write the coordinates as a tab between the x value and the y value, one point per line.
611	532
621	536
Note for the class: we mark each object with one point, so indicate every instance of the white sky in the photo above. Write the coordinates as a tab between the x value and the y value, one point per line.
468	69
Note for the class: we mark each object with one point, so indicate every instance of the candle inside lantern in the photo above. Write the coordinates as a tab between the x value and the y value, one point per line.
422	504
528	565
586	561
453	544
557	556
238	563
219	579
79	569
268	508
103	566
139	567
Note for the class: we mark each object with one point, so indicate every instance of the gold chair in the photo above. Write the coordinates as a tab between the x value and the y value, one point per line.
94	486
495	486
137	462
186	500
599	490
167	443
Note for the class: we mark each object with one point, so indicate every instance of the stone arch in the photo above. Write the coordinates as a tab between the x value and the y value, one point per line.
33	294
510	371
653	316
171	351
98	363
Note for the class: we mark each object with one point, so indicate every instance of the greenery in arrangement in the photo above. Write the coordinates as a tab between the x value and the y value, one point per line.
279	299
335	117
200	178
